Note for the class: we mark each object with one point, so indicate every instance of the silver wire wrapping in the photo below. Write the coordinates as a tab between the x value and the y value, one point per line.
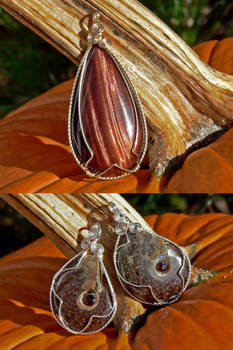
80	301
151	268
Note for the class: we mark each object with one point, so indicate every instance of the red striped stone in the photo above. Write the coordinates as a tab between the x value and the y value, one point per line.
107	130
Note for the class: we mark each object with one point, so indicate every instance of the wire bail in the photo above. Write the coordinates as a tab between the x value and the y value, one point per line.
96	31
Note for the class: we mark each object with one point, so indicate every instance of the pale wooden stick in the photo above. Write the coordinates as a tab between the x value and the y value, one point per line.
61	217
185	101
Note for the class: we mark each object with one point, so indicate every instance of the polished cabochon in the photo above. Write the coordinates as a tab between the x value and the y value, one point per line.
82	298
151	268
107	128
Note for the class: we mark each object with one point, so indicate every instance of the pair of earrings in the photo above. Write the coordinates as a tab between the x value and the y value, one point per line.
152	269
106	125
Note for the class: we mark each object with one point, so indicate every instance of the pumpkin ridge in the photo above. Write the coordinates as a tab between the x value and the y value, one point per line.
218	279
74	340
214	49
30	262
161	218
220	156
222	47
205	225
197	229
38	312
51	92
204	248
44	336
224	249
12	335
182	175
101	347
194	324
203	324
211	301
225	269
26	181
218	228
205	45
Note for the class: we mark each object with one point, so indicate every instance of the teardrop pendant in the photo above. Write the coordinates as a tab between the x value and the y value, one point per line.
80	300
107	127
151	268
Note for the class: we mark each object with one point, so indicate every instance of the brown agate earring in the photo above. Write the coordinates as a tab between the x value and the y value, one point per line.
151	268
82	298
107	128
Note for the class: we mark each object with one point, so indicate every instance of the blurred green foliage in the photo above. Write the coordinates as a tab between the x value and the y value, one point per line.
16	231
30	66
195	20
192	204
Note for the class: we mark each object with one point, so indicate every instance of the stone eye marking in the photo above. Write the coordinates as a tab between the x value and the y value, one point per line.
87	300
163	266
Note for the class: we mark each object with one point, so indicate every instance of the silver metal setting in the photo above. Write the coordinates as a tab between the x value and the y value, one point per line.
95	38
125	283
56	301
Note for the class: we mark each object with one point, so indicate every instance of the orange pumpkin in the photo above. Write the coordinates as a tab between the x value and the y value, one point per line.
202	319
34	155
216	159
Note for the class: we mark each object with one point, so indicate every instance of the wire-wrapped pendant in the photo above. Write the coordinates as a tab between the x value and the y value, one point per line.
151	268
107	127
82	298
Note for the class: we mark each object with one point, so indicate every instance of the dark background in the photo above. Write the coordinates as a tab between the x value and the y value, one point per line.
16	231
30	66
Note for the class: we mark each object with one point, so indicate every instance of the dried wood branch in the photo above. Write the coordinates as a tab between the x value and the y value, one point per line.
62	217
186	102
